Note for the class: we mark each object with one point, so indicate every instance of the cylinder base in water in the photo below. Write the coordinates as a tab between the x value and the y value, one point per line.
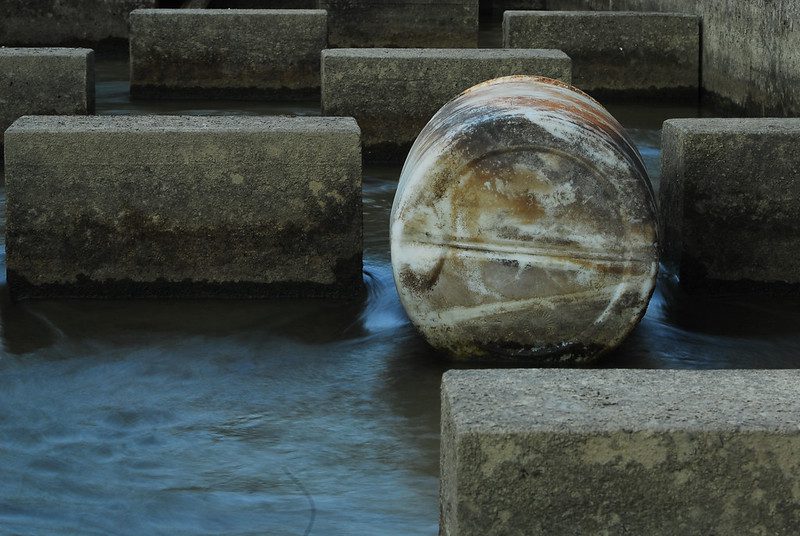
524	227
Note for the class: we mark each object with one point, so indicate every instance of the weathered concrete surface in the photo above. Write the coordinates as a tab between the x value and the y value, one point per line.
524	227
657	453
751	61
402	23
393	93
752	54
45	81
636	53
499	6
187	53
263	4
183	207
59	22
730	199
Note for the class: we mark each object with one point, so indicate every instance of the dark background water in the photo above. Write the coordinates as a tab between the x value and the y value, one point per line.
281	418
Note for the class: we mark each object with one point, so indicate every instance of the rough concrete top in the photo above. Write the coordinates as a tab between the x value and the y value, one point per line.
599	14
576	401
737	126
45	51
230	12
437	53
166	123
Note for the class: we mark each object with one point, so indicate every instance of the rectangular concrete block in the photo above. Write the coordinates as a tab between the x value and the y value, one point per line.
263	4
393	93
66	23
657	453
750	60
402	23
143	206
623	53
499	6
45	81
230	53
730	202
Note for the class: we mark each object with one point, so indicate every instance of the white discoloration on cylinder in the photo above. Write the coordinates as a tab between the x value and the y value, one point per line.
524	226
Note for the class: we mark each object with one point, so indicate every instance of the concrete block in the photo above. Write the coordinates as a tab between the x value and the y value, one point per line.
144	206
730	201
66	23
45	81
232	53
627	53
402	23
393	93
263	4
499	6
751	61
565	452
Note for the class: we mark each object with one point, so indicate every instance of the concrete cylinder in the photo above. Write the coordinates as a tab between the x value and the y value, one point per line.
524	226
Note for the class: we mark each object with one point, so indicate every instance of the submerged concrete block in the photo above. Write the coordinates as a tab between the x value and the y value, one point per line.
564	452
637	53
393	93
65	23
45	81
183	207
730	199
231	53
402	23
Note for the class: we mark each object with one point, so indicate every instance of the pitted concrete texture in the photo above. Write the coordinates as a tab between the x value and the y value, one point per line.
751	60
402	23
183	207
230	53
59	22
45	81
393	93
615	452
730	198
629	53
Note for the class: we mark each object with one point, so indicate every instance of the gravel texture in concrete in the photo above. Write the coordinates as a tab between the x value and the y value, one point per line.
45	81
565	452
144	206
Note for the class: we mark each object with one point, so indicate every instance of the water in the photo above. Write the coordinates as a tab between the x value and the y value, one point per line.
280	418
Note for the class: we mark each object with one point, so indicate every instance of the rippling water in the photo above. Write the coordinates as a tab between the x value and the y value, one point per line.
280	418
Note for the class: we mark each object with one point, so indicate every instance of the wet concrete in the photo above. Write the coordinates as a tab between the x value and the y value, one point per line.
278	418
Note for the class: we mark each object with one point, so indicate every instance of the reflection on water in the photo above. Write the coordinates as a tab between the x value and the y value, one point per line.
289	417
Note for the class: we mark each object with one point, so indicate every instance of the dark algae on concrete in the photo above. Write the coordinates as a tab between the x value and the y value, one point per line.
184	206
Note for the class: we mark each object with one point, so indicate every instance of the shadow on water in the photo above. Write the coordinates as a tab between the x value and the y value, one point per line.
279	418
